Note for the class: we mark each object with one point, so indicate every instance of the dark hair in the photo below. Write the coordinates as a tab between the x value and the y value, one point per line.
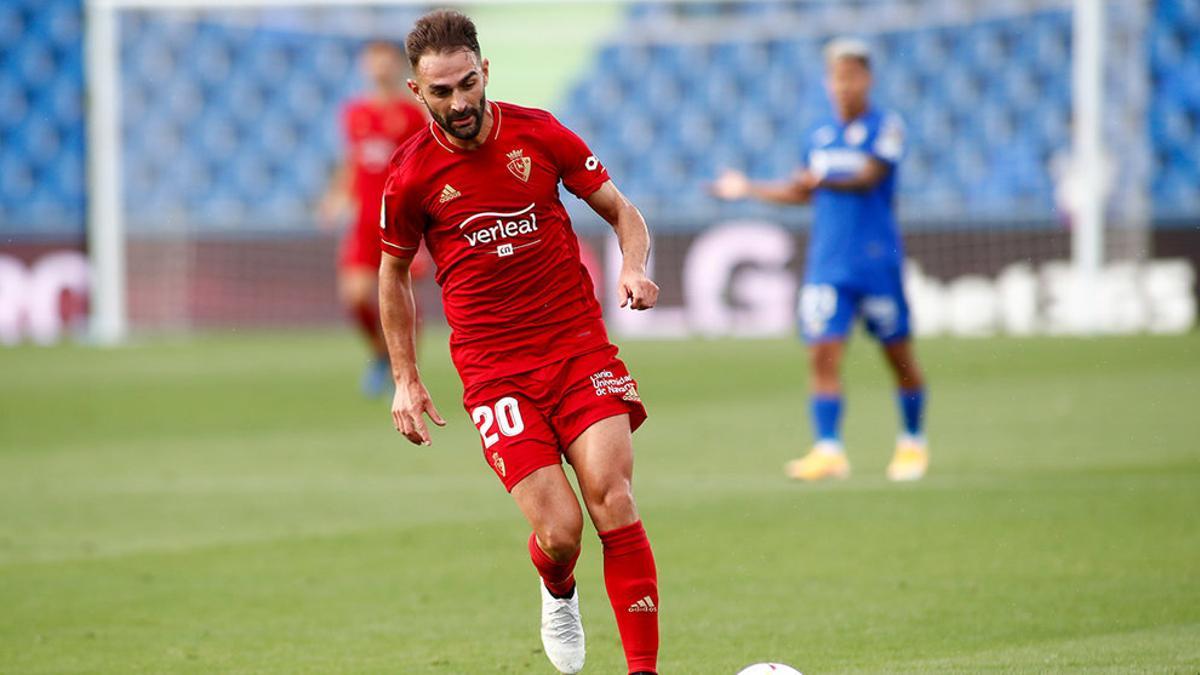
442	30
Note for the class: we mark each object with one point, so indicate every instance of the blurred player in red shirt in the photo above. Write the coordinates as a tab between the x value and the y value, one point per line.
374	126
479	185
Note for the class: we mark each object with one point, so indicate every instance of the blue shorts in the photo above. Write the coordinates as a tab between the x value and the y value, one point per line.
827	311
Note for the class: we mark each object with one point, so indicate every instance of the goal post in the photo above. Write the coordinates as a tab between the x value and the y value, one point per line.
1088	155
105	223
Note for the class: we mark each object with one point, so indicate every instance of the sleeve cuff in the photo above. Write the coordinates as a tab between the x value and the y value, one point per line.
398	250
588	189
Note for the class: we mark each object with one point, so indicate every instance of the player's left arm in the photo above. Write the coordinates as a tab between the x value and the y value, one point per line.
633	286
872	174
585	177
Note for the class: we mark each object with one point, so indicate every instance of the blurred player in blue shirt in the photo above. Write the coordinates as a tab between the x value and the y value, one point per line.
854	262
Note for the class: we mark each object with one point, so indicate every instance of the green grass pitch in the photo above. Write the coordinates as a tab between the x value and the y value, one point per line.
229	504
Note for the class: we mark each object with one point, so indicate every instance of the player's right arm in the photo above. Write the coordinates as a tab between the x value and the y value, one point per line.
398	314
731	185
402	225
338	195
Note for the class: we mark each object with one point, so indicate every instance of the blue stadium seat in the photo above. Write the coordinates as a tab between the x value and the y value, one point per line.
63	24
256	107
12	24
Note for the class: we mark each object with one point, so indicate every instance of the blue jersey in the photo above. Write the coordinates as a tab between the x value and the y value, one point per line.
854	236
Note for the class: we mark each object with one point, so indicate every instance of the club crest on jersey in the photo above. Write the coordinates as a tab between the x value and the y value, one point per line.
498	462
520	165
855	134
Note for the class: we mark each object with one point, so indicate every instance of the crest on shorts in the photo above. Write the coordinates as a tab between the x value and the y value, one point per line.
519	164
498	462
631	394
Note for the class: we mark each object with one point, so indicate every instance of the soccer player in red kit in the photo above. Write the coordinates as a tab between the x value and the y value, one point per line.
541	379
374	126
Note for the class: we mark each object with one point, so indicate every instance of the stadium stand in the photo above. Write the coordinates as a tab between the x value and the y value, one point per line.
41	117
233	128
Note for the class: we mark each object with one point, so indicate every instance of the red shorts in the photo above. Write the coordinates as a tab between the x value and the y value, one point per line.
525	421
360	247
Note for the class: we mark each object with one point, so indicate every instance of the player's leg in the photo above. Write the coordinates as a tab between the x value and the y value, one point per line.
520	446
597	412
910	384
825	386
602	457
552	509
826	317
887	318
358	295
358	279
911	458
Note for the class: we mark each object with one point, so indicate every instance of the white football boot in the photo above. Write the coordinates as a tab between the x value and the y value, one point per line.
911	460
562	631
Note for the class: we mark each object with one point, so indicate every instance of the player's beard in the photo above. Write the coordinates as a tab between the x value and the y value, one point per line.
462	133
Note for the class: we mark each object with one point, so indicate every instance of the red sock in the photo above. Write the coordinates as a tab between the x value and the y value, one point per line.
632	584
366	315
558	577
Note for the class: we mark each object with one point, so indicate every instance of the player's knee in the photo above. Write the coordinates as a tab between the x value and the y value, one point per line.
823	364
560	541
819	358
912	378
613	503
356	290
908	373
355	297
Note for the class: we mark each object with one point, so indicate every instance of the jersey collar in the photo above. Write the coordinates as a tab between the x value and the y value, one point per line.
439	134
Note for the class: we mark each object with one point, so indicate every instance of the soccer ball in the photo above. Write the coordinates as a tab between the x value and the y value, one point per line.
768	669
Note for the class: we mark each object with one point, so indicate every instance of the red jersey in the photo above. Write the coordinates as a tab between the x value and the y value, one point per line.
374	129
516	294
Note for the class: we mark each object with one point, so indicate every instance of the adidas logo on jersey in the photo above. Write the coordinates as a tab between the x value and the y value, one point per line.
448	193
643	605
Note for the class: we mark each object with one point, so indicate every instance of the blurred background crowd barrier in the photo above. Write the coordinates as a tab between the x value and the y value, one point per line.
228	134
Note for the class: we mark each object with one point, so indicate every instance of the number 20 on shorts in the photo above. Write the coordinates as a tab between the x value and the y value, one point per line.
505	416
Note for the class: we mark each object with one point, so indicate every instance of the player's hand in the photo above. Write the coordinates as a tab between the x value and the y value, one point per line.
803	184
730	184
331	209
410	404
808	181
636	290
